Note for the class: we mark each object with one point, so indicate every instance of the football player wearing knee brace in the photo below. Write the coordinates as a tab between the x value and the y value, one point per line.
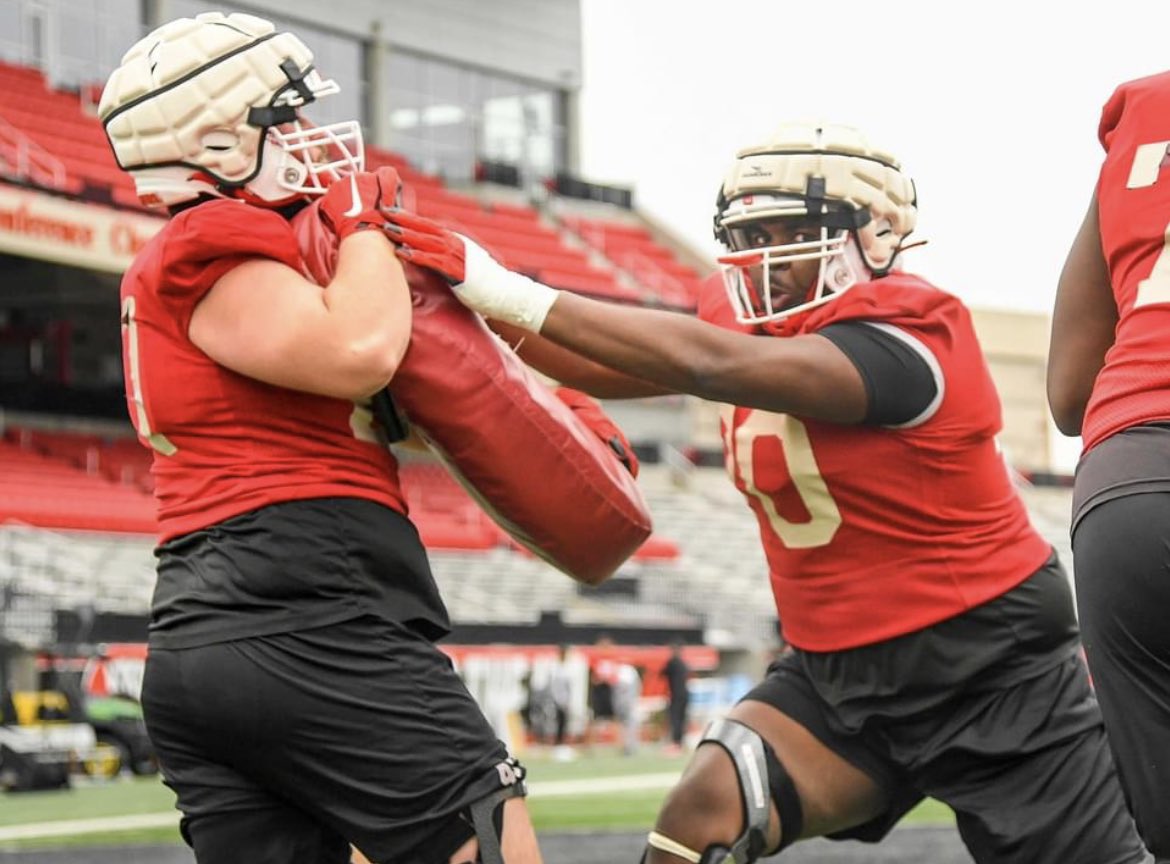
934	644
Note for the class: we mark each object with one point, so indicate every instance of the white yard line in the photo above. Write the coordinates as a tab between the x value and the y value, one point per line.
600	785
89	826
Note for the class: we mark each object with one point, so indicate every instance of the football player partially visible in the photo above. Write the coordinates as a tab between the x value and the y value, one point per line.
1109	382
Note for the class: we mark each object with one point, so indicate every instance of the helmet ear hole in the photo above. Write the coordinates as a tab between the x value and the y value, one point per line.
220	140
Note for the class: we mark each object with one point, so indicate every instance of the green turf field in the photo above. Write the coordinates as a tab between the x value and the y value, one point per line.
563	805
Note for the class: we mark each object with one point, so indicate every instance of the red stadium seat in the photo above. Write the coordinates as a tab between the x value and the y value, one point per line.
633	249
657	549
595	282
446	516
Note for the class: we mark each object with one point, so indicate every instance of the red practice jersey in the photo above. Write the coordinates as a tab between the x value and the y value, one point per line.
1133	201
873	532
224	443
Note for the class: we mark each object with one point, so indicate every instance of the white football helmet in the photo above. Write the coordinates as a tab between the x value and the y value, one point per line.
210	106
854	205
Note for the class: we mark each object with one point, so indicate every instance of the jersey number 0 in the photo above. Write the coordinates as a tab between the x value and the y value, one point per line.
739	445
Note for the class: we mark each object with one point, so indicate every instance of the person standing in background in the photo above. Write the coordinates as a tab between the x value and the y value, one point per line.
627	706
603	671
1109	382
561	688
676	672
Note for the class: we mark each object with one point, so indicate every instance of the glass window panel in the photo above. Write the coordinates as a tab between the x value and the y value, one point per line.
74	42
404	80
444	117
76	33
119	28
11	47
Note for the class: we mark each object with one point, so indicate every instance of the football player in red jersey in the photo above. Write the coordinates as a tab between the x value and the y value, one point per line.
935	642
1109	382
293	688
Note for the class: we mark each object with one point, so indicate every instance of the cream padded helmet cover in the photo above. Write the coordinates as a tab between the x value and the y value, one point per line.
853	170
195	95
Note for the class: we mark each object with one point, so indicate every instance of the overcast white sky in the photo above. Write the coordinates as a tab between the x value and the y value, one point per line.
992	107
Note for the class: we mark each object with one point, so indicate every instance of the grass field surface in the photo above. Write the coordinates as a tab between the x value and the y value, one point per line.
593	793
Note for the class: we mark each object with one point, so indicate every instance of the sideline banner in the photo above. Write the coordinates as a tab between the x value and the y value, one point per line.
48	228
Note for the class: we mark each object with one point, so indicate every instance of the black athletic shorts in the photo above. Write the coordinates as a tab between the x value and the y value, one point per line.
1121	549
990	712
286	747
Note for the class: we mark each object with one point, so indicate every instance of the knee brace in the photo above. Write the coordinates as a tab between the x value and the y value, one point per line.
762	781
483	818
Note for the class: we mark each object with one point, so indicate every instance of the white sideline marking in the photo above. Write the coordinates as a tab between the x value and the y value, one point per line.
549	789
89	826
552	788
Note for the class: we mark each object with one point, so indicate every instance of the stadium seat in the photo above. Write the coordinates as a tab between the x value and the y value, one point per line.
56	122
593	282
446	516
633	249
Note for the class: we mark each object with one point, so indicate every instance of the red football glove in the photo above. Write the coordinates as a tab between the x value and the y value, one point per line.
360	201
590	413
479	281
428	244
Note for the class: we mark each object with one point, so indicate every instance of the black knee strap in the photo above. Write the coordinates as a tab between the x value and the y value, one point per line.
786	799
487	814
749	752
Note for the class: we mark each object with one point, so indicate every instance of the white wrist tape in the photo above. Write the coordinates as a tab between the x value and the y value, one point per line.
496	292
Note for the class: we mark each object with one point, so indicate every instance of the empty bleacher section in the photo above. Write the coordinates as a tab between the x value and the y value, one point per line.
22	157
720	577
703	567
485	580
56	478
49	139
74	569
55	123
77	521
446	516
633	249
112	456
67	480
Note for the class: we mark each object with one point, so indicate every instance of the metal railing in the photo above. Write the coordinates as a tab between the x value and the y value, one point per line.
24	159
